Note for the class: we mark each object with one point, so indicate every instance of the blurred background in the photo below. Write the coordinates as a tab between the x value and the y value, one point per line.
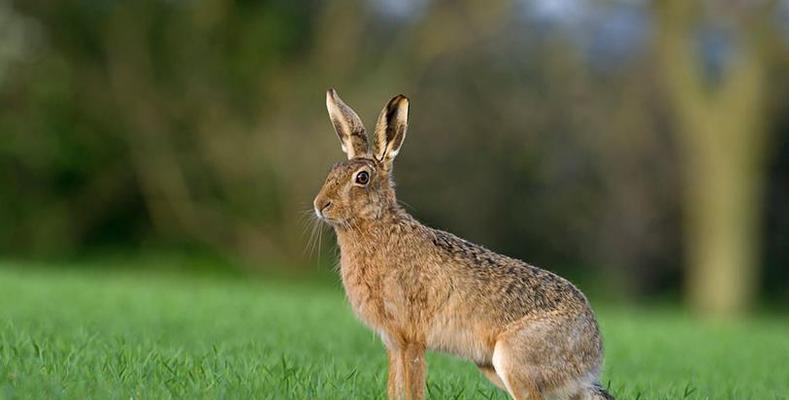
639	147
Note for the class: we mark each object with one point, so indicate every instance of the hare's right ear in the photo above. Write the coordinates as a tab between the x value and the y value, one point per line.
349	128
390	130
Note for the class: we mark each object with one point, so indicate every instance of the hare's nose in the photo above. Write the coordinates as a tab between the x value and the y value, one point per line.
320	206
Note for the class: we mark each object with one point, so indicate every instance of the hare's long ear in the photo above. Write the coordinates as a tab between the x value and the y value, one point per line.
349	128
390	130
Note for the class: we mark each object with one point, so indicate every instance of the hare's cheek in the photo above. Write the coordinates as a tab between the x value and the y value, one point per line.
370	210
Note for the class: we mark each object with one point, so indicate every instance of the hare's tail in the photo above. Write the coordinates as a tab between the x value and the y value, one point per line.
597	392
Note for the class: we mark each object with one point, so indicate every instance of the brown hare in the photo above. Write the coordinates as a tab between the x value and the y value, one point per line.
531	332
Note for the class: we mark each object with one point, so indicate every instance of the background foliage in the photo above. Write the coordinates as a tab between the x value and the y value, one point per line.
557	132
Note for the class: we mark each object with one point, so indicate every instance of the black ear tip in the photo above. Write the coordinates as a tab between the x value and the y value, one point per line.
331	93
398	101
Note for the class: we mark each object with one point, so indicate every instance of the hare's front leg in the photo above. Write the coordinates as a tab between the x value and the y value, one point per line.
394	383
407	372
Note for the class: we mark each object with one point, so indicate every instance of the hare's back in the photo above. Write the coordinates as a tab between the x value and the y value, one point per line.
506	283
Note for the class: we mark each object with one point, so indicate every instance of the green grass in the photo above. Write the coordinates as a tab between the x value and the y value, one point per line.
77	334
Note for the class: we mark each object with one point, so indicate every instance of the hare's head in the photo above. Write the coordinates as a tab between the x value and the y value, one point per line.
361	187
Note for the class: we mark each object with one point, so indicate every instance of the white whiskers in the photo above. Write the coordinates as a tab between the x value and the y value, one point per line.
315	227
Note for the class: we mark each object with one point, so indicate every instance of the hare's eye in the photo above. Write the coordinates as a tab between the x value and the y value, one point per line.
362	177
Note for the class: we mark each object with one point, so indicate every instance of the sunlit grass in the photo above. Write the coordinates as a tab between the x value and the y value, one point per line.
72	334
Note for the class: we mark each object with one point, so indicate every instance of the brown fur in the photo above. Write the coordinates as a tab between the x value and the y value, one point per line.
530	331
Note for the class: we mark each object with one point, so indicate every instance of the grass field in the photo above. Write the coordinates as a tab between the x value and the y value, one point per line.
121	335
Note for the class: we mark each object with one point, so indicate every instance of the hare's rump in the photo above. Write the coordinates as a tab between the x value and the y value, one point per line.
552	356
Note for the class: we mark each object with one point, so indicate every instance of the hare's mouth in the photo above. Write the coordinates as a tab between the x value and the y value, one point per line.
321	215
329	220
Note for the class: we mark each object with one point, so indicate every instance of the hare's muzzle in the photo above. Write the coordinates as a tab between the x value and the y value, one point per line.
320	206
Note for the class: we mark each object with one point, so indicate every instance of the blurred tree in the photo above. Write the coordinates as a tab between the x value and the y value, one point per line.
720	121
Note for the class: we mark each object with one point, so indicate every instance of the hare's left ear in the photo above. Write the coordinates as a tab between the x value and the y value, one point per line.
390	130
349	128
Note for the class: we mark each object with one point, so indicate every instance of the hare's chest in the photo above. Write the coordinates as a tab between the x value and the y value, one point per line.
375	295
363	289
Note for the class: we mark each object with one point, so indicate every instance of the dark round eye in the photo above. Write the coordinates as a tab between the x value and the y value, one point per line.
362	177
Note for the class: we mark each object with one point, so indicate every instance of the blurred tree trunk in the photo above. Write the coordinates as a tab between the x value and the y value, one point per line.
722	142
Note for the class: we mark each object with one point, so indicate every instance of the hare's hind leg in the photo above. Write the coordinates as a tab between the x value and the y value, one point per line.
551	357
517	378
